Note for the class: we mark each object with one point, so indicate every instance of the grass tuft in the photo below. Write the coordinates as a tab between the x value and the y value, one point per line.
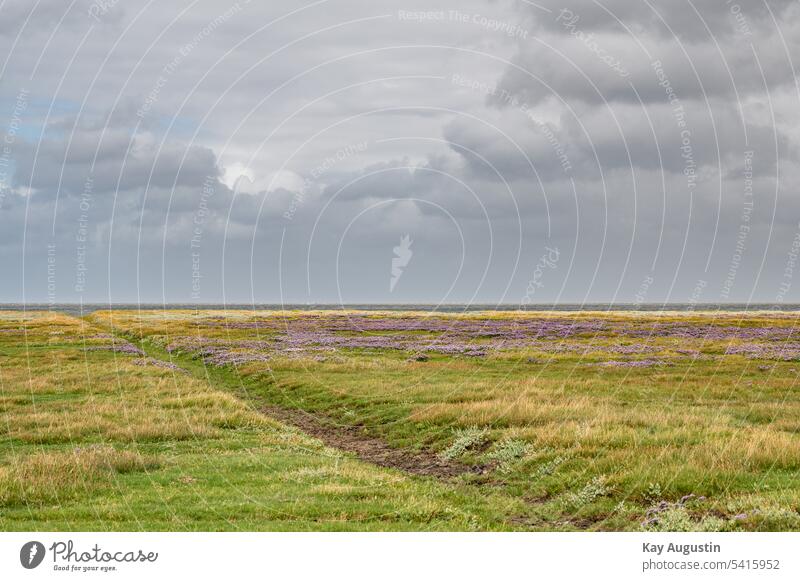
49	477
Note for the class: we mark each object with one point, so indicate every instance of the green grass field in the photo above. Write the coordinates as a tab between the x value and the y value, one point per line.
179	420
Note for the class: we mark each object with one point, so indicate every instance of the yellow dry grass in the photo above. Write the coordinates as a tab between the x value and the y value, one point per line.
58	476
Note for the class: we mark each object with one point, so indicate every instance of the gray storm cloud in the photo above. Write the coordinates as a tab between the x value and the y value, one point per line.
236	151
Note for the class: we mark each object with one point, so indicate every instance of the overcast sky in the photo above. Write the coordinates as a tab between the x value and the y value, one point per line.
385	151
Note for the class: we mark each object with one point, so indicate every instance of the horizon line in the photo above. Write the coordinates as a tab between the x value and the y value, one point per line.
398	304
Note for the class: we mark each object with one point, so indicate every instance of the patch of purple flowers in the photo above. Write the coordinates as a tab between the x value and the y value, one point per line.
153	362
299	336
118	346
634	363
789	351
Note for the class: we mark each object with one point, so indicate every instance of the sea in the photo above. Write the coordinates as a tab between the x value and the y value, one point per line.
85	309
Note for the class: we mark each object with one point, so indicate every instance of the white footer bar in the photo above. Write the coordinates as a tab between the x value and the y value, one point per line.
371	556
